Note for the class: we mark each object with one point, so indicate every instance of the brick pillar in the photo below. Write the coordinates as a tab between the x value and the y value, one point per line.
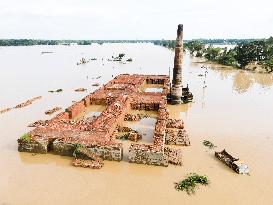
176	89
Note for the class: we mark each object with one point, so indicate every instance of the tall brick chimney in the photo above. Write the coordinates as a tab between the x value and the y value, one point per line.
176	90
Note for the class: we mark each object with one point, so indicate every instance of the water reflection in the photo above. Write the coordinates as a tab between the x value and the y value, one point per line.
242	80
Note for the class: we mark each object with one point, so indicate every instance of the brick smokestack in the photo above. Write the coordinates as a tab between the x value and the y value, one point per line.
176	89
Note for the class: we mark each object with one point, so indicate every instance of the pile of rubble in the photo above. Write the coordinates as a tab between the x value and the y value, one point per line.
38	123
5	110
81	90
51	111
131	117
83	61
173	123
28	102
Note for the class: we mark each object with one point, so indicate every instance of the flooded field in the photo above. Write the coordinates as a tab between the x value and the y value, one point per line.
231	108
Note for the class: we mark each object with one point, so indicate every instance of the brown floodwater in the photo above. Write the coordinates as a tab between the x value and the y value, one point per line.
232	108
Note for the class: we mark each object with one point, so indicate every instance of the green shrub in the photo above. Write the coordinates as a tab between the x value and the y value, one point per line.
190	183
25	137
209	144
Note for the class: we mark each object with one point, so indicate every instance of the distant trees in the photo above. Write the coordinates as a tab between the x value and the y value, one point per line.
212	53
26	42
227	57
259	51
165	43
195	47
256	51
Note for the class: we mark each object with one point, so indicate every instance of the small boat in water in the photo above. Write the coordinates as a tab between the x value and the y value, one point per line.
234	163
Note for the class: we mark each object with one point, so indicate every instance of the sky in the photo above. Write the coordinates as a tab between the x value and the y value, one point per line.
135	19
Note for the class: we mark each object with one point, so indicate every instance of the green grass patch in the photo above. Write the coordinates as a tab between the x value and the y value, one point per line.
78	146
123	136
25	137
189	184
208	144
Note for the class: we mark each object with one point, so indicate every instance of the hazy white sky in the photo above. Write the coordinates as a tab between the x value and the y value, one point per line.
135	19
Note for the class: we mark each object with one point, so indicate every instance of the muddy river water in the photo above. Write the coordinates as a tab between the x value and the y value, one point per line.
231	108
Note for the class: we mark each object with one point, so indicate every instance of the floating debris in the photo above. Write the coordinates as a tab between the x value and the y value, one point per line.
81	90
51	111
82	61
200	75
59	90
190	183
129	60
96	84
45	52
93	59
28	102
56	91
98	77
5	110
209	144
119	57
234	163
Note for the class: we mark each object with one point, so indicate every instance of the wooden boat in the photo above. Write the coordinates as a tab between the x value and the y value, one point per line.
234	163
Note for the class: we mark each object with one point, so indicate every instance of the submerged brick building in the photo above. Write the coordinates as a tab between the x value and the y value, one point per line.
65	132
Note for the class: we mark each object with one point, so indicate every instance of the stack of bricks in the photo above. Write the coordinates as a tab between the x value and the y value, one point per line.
176	134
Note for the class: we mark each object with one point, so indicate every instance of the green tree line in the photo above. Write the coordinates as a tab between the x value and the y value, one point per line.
166	43
245	51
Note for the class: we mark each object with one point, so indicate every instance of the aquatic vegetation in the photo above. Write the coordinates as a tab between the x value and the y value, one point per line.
190	183
208	144
25	137
77	147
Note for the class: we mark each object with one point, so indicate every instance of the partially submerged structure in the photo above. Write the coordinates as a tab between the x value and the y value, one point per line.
92	139
178	94
65	132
